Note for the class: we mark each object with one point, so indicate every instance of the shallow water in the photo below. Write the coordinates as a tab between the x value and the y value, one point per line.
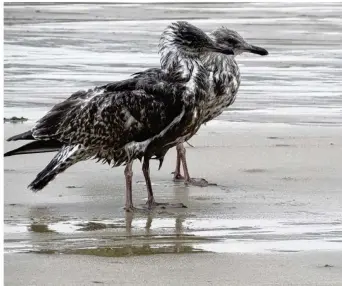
155	235
53	50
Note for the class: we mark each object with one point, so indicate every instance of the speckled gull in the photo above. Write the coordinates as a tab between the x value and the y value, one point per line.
224	76
224	80
138	118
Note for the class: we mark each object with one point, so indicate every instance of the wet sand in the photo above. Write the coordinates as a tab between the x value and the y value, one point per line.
274	219
202	269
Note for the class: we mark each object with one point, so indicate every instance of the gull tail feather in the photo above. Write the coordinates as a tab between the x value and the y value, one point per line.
22	136
66	157
40	146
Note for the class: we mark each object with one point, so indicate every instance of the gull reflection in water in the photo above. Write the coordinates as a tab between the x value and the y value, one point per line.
152	224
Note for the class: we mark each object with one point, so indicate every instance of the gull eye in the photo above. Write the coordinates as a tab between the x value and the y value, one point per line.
232	41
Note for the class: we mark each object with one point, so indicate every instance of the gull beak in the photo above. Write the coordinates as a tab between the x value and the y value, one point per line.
256	50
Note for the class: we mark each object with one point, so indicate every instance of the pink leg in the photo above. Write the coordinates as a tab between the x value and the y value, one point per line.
177	175
187	179
129	198
150	199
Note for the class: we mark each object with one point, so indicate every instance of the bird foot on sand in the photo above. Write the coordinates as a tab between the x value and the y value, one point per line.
198	182
132	209
175	205
164	205
177	177
149	207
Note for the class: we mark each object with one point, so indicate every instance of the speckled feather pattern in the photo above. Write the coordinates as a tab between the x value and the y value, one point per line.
224	84
143	116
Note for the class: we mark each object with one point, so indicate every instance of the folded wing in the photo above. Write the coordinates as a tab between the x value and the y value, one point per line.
113	116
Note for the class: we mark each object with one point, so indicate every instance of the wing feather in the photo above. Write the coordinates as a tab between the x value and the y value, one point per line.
110	118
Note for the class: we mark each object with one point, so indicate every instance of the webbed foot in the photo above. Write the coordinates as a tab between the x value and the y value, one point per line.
198	182
154	204
142	209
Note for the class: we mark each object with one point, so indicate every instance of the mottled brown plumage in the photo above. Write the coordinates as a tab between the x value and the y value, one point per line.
224	78
138	118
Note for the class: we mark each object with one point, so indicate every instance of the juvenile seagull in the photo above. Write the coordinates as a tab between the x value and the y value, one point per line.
131	119
224	84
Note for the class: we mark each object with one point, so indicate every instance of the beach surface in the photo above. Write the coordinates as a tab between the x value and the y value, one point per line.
274	217
305	269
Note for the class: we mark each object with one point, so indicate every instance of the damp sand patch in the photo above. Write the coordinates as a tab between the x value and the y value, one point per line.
15	119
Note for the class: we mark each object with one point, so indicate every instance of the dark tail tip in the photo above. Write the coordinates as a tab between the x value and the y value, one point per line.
44	177
39	146
23	136
40	182
66	157
10	153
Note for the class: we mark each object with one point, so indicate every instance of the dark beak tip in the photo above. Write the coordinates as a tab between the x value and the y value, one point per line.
265	53
258	51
